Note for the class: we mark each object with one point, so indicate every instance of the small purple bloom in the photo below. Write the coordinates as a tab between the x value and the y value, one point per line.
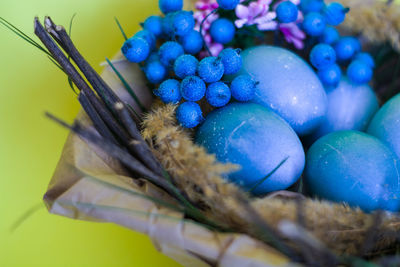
256	13
293	34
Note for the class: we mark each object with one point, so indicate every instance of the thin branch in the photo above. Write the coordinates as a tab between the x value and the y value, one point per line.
117	152
94	116
141	146
102	89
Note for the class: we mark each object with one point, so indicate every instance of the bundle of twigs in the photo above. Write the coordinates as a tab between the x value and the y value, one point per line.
117	132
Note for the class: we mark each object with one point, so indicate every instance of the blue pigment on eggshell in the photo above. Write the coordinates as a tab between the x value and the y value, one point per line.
350	107
258	140
356	168
287	85
385	125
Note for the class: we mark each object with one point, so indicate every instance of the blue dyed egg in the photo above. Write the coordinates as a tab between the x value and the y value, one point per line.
256	139
287	85
354	167
350	107
385	125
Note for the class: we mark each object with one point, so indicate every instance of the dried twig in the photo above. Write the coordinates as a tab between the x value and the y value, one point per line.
141	146
94	116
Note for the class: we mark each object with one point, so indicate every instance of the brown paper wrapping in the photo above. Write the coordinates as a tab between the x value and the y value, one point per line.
89	185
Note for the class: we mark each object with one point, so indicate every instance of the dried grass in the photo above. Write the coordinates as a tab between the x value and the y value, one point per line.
199	175
377	21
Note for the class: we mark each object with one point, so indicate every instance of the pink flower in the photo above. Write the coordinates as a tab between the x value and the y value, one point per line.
293	34
199	16
256	13
206	5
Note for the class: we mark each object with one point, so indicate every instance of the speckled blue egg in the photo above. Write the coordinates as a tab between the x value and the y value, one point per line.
256	139
350	107
287	85
385	124
356	168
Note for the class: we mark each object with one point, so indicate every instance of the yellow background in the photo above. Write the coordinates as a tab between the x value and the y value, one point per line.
30	144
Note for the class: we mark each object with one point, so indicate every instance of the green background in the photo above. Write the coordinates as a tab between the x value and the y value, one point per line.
30	144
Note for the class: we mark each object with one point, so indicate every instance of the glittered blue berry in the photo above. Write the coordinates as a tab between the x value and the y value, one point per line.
169	91
330	76
211	69
228	4
334	13
314	24
222	31
155	71
148	36
193	88
359	72
183	22
167	6
136	49
287	12
243	88
346	48
308	6
366	58
154	25
329	36
322	55
192	42
185	65
218	94
169	52
231	60
189	114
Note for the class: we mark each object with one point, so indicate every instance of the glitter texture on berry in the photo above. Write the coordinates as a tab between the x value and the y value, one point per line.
211	69
243	88
169	91
189	114
218	94
136	49
185	65
231	60
169	52
193	88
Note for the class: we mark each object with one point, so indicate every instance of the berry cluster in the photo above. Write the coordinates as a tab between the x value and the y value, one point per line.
169	48
332	49
166	47
195	80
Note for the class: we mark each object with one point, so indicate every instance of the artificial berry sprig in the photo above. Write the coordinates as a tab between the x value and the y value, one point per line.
332	49
169	48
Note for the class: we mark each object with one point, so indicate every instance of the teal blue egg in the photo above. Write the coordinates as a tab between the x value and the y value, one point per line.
385	125
350	107
256	139
287	85
355	168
